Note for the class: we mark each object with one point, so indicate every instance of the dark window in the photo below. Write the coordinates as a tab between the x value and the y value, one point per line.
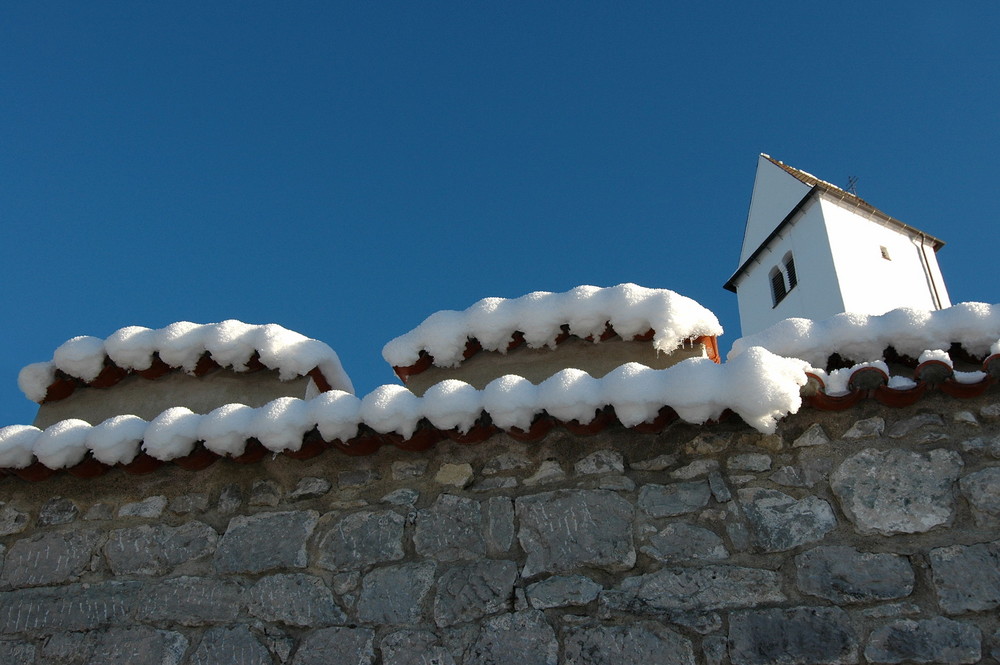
778	291
885	253
790	269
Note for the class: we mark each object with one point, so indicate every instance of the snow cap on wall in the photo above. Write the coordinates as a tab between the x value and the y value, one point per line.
630	309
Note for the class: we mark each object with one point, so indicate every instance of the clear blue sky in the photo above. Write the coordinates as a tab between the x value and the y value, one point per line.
346	169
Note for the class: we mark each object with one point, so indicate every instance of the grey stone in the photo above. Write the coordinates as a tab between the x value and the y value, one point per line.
155	550
99	511
707	444
12	521
562	591
717	484
601	461
700	589
257	543
965	417
891	611
967	577
362	539
675	499
230	499
358	478
773	442
473	590
990	411
904	427
404	496
450	529
403	469
866	429
310	487
779	522
71	607
658	463
396	594
134	644
16	653
679	542
522	637
188	503
695	469
566	529
936	640
57	510
191	601
234	645
715	649
265	493
455	475
644	642
498	527
616	483
897	491
494	483
346	582
814	435
982	489
788	476
505	462
548	471
845	575
414	647
982	446
295	599
700	622
749	462
149	508
50	558
797	636
344	646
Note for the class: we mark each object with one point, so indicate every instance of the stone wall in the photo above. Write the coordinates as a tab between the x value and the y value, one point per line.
866	536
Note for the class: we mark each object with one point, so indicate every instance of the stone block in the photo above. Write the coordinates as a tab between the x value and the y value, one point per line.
967	577
897	491
675	499
265	493
701	467
235	645
566	529
982	490
396	594
155	550
469	591
498	526
362	539
191	601
132	644
645	642
866	429
265	541
186	504
148	508
357	478
505	462
563	591
699	589
780	522
310	488
936	640
455	475
73	607
230	499
11	520
749	462
905	427
57	510
548	471
658	463
414	647
797	636
404	469
601	461
679	542
814	435
50	558
523	637
295	599
17	653
344	646
845	575
450	529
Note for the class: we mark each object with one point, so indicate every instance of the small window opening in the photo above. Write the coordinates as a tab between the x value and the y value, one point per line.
885	253
778	290
790	270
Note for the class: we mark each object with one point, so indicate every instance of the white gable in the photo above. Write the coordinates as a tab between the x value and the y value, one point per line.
775	193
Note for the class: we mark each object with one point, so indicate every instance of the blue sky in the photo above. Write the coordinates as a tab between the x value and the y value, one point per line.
346	169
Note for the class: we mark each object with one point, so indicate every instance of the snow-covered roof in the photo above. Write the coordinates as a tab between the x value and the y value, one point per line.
587	311
864	337
231	344
759	386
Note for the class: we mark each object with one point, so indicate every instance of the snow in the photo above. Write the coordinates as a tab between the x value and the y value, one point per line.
976	326
117	440
935	354
230	343
630	309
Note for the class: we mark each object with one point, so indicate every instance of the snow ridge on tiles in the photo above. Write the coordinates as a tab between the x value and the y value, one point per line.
630	309
759	386
976	326
181	345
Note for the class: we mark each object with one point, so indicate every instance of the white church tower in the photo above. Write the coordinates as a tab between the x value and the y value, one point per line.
813	250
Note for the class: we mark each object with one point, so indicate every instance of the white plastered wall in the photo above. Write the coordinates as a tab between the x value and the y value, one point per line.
775	193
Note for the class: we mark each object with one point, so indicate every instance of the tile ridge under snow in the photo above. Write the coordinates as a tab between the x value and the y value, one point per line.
758	386
631	310
231	344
